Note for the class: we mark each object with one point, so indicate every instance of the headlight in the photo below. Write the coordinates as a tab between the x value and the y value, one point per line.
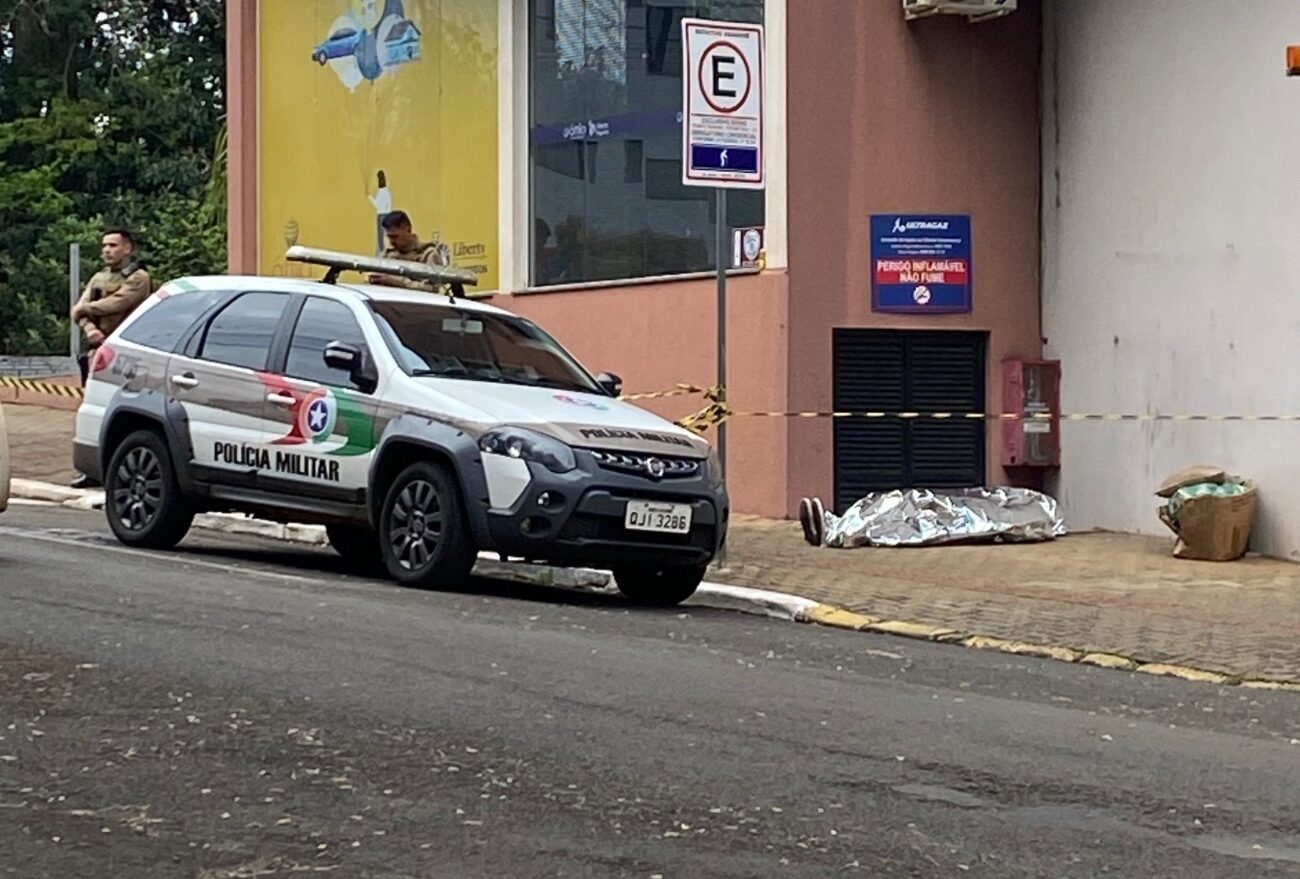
715	466
518	442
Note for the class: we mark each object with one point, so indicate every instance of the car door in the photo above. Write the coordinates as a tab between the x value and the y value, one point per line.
219	381
321	417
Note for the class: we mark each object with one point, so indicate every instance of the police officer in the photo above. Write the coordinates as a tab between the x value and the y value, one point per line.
113	292
404	244
110	295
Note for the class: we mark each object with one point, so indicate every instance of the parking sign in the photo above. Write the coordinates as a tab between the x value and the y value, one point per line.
722	104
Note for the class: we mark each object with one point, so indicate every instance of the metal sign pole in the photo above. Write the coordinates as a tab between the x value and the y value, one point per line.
74	293
722	335
722	145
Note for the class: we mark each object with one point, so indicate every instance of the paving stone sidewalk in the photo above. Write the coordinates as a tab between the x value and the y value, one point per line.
1112	593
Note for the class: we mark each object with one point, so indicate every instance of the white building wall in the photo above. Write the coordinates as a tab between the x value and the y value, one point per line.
1171	284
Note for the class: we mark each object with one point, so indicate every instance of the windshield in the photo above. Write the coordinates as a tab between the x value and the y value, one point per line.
450	342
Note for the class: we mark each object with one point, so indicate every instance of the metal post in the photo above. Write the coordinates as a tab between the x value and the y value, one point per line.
74	293
723	257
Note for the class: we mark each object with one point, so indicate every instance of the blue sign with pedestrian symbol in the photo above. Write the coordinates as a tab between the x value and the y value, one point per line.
721	158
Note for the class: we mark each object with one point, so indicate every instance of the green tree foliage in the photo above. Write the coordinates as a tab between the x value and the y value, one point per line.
111	112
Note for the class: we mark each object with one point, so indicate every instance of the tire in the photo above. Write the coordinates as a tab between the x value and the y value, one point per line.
423	531
358	545
142	500
658	587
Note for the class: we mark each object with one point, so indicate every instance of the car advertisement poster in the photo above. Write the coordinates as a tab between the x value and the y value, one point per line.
368	106
920	264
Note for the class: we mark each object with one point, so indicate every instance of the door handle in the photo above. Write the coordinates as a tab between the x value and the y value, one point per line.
280	399
185	381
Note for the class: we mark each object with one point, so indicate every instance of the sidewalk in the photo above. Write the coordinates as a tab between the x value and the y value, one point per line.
1109	593
40	440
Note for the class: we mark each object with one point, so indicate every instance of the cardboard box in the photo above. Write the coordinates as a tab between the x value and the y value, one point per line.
1215	529
1190	476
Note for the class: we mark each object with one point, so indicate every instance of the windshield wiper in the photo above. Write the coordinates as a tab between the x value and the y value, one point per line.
454	372
555	384
460	374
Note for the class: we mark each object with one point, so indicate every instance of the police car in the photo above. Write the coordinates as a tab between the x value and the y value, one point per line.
418	428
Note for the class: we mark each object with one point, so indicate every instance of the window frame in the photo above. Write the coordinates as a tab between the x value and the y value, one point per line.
280	363
515	172
186	334
195	345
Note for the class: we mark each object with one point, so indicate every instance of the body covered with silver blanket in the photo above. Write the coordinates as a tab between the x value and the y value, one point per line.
919	517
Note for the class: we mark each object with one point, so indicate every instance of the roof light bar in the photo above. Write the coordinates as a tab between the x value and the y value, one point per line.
338	261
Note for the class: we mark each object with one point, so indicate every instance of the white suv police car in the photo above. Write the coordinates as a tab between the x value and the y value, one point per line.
418	429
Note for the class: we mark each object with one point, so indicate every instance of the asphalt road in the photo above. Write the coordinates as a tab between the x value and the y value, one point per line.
239	709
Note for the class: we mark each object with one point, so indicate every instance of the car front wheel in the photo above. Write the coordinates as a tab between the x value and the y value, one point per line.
142	500
658	587
423	532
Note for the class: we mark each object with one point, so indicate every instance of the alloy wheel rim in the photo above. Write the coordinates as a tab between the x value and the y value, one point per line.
415	525
138	489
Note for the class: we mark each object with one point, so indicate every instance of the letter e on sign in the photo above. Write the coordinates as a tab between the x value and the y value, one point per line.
722	104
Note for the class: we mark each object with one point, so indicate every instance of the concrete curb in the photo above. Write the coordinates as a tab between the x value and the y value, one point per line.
828	615
721	596
30	489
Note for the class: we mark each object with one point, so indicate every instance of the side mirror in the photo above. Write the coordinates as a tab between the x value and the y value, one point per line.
342	356
610	383
352	360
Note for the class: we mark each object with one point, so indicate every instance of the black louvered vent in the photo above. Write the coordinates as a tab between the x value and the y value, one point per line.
893	371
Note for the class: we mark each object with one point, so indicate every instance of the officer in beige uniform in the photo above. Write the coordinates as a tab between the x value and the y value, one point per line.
114	291
110	295
404	244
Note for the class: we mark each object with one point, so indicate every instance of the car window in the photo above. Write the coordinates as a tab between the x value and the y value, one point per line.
322	321
450	342
241	334
162	326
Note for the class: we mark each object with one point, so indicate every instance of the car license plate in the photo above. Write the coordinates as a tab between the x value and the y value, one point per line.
658	517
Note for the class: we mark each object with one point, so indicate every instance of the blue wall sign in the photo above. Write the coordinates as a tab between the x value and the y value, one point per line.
920	263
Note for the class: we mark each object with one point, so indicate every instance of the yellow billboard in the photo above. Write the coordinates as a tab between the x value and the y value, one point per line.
367	106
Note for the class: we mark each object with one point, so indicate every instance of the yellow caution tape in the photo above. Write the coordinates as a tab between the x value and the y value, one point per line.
1016	416
681	390
52	389
718	411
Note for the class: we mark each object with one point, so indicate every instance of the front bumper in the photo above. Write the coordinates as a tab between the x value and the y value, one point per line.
582	524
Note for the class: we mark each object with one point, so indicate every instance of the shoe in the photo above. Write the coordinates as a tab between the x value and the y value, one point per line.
809	523
83	481
819	521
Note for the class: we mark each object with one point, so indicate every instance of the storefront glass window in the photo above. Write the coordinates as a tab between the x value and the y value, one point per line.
605	142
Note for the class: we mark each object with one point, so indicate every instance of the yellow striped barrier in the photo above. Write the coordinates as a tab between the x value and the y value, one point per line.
53	389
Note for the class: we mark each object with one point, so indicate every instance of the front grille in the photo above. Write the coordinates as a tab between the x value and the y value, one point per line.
647	465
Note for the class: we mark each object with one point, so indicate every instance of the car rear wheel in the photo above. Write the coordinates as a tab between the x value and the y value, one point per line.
423	532
358	545
658	587
142	500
